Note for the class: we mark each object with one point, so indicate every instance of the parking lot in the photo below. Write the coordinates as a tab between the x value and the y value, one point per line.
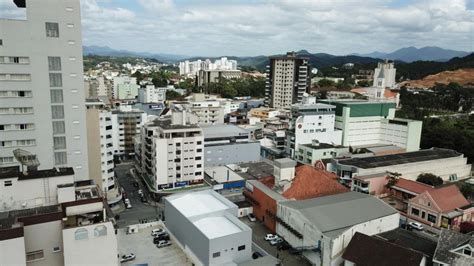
258	234
141	244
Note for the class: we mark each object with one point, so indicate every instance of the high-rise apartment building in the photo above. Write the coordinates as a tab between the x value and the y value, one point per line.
384	75
288	78
42	107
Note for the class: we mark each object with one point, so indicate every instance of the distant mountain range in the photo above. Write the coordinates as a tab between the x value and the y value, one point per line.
107	51
318	60
411	54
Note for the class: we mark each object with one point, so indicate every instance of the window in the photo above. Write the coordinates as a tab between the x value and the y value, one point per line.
57	112
59	143
431	218
81	234
60	158
14	59
58	127
415	211
100	230
1	42
466	251
5	160
52	29
34	255
54	63
55	80
241	248
216	254
7	183
56	96
56	249
199	142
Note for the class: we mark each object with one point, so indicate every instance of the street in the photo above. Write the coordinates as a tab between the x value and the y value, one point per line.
140	210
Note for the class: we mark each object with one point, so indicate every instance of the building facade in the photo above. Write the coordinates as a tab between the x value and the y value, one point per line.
171	153
126	124
151	94
288	78
125	88
208	230
204	77
42	106
384	75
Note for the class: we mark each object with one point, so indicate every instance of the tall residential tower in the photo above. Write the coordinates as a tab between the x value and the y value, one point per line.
42	107
288	78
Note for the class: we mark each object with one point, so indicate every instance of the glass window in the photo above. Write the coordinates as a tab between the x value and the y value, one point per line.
216	254
57	111
59	127
415	211
55	80
241	248
60	158
81	234
34	255
54	63
100	230
56	96
431	218
59	143
52	29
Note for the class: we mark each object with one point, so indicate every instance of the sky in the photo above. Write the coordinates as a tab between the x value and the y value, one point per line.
265	27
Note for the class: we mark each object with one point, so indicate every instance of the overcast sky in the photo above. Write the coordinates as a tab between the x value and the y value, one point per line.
264	27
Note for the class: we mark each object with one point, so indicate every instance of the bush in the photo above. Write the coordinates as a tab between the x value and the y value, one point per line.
430	179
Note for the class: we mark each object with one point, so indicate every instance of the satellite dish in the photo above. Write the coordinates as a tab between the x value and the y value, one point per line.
314	71
26	158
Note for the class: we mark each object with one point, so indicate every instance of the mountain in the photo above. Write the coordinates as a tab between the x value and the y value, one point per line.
411	54
107	51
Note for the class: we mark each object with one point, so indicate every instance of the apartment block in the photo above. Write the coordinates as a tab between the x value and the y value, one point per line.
288	78
151	94
42	106
171	153
125	88
204	77
126	124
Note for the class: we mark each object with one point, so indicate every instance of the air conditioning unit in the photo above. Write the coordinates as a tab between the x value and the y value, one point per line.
23	204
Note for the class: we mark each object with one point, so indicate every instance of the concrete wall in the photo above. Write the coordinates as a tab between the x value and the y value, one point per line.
31	193
228	248
96	250
45	236
231	153
12	251
93	146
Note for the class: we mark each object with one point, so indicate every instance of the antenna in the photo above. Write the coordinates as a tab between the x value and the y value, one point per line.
27	159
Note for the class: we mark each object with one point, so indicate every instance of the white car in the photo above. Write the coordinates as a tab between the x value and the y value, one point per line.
127	257
270	237
252	217
276	241
163	243
158	231
416	226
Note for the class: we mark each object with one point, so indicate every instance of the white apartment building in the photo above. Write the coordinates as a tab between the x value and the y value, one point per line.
72	229
151	94
42	106
126	123
125	87
100	147
312	121
192	68
172	153
288	78
384	75
208	112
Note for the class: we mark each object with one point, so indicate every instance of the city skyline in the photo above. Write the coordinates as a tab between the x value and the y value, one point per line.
211	28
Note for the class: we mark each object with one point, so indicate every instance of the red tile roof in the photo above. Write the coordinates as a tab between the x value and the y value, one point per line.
310	182
412	186
448	198
268	181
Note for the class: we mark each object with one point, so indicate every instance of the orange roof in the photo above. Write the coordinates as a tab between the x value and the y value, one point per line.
448	198
412	186
389	94
268	181
310	182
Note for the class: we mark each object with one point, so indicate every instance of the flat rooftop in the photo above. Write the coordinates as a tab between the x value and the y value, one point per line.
166	125
255	170
221	131
214	227
321	146
197	203
401	158
222	174
14	172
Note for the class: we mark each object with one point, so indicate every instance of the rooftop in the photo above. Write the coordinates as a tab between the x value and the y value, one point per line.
321	146
310	182
446	199
214	227
221	131
9	218
333	214
411	186
268	191
368	250
198	203
255	170
222	174
449	240
166	124
14	172
401	158
411	240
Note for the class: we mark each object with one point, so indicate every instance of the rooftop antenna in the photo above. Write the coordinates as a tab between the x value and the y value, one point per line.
27	159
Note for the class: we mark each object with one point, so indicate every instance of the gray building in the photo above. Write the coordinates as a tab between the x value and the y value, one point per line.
204	77
228	144
206	226
42	106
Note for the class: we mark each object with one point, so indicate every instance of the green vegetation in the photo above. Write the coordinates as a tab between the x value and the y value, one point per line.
430	179
247	86
466	189
172	95
393	178
90	61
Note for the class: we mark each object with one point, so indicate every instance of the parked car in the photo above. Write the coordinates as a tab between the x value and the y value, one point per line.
161	237
270	237
157	231
127	257
256	255
275	242
140	192
163	243
416	226
128	205
252	217
135	184
294	251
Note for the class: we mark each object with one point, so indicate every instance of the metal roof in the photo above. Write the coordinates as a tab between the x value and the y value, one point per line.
333	214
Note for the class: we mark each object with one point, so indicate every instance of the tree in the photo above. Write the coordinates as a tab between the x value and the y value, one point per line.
363	83
466	189
172	95
326	83
392	178
138	75
430	179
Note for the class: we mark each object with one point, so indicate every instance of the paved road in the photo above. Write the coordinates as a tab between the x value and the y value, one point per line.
139	210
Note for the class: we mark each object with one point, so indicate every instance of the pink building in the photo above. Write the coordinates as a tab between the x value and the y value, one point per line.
374	185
